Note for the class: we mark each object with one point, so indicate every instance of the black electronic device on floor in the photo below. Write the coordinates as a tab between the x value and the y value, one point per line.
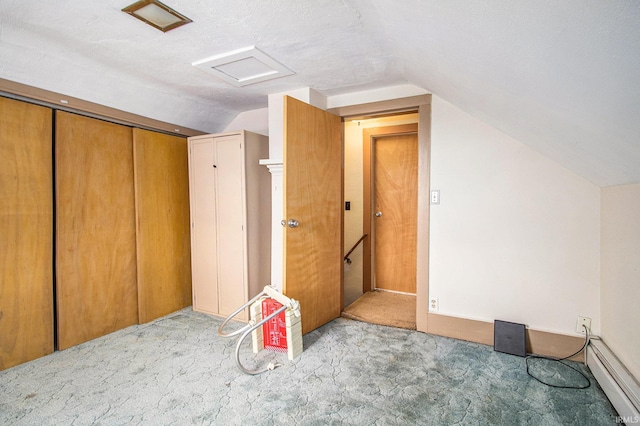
509	337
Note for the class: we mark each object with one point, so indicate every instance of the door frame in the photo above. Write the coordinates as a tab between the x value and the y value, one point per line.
368	137
391	106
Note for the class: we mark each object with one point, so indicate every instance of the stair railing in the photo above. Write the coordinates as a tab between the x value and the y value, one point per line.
346	256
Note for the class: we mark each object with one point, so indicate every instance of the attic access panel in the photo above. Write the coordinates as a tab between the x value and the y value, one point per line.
243	67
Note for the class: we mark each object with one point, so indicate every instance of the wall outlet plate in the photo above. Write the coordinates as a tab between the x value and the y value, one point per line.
433	304
586	321
435	196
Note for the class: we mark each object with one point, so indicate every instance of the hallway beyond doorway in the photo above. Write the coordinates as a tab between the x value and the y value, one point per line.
356	275
384	308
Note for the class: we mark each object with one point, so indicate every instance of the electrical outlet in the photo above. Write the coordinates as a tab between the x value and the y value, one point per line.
433	304
583	321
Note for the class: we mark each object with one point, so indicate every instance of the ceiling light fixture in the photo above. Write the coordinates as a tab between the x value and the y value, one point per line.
156	14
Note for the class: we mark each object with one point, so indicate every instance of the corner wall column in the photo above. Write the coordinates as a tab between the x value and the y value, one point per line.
277	200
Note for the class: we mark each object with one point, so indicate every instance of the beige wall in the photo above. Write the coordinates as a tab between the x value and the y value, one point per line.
621	273
255	120
516	236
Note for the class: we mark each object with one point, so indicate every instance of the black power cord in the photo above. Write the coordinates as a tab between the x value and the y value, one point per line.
560	360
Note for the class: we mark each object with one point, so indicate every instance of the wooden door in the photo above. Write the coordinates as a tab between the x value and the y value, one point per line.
395	168
26	232
313	196
204	248
162	224
95	229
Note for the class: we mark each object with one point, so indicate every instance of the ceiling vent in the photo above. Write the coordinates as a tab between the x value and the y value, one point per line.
243	67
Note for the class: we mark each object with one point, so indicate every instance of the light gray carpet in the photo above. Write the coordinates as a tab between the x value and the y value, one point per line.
177	371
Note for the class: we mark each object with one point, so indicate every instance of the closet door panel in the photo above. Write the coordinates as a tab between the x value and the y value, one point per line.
162	224
230	196
26	229
95	249
204	255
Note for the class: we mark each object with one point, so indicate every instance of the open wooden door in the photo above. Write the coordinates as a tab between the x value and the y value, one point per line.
313	209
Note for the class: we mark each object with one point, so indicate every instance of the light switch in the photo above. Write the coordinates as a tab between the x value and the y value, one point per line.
435	196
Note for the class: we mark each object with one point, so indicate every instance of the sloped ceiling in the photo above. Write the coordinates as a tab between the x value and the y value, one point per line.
560	76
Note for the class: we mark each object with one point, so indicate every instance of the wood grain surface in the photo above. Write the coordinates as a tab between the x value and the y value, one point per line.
26	232
313	196
162	219
396	198
95	256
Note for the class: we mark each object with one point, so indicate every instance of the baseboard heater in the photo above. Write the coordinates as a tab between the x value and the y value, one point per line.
615	380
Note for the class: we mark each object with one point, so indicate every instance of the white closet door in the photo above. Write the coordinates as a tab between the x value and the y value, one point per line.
231	224
203	217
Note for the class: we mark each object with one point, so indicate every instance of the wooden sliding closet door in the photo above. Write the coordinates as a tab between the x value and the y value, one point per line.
95	245
26	242
162	220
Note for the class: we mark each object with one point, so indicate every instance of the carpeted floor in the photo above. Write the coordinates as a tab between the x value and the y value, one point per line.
384	308
177	371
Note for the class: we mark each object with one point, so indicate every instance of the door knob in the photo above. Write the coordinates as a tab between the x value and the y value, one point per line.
292	223
378	214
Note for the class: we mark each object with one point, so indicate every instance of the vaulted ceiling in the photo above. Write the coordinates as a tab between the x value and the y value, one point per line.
560	76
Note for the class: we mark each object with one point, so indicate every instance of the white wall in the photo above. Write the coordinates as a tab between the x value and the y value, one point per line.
353	227
255	120
621	273
516	236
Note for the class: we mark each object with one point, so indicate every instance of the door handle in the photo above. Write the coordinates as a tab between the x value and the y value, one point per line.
292	223
378	214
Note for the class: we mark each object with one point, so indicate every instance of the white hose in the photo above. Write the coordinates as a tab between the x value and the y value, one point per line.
246	330
271	366
236	312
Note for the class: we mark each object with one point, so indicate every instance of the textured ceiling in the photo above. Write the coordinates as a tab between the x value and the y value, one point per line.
560	76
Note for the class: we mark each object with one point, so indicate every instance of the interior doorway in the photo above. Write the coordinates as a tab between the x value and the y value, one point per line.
388	144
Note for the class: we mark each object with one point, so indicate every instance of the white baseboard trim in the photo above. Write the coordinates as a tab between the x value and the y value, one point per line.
615	380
